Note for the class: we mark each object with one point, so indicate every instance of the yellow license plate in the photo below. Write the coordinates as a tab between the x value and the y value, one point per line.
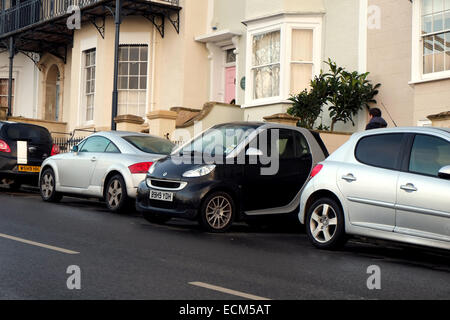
29	168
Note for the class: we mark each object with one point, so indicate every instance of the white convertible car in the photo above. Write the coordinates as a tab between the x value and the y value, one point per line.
105	165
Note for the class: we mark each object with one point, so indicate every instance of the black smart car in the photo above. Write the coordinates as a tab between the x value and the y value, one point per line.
232	172
23	148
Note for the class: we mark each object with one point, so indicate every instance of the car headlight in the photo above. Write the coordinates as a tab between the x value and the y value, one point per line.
152	168
199	172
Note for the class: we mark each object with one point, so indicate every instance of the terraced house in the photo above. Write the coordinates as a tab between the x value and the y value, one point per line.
168	64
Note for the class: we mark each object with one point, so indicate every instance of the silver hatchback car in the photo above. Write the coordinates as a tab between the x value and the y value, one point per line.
108	165
391	184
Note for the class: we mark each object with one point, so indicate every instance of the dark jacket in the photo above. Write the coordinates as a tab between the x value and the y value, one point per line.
376	123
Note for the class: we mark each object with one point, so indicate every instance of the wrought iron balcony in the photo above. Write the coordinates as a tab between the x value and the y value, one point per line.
33	12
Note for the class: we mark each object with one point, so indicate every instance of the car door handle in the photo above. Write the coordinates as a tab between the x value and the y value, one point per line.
93	159
409	187
349	177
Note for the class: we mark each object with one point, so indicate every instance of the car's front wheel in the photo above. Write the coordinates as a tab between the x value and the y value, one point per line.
116	196
325	224
217	212
47	187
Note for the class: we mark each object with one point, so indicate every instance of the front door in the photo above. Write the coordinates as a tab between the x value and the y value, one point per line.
230	85
77	169
423	207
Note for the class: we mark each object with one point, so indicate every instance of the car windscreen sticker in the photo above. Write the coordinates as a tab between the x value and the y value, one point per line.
22	152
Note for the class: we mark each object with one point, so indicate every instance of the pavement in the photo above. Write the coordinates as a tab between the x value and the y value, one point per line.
125	257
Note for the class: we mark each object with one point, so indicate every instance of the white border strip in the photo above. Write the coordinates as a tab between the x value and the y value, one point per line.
37	244
228	291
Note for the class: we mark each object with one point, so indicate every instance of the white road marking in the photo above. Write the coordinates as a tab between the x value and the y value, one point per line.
42	245
229	291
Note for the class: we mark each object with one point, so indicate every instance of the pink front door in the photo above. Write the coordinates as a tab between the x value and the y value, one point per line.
230	84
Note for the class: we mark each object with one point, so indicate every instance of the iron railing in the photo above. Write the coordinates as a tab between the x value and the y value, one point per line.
34	11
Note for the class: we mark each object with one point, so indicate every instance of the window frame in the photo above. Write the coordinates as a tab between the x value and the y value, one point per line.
285	23
85	81
417	59
139	76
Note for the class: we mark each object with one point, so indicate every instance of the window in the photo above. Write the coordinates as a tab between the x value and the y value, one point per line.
95	144
112	148
428	155
150	144
301	59
301	145
435	30
89	86
4	93
285	144
132	86
266	65
380	150
230	56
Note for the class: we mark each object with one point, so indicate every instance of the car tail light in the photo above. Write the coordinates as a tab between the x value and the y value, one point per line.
140	167
55	150
4	147
316	170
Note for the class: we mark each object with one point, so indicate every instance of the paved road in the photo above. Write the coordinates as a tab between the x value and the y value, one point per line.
124	257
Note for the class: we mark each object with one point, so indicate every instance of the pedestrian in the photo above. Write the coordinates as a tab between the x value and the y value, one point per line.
376	121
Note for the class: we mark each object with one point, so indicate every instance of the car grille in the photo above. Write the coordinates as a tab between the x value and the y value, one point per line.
165	184
161	204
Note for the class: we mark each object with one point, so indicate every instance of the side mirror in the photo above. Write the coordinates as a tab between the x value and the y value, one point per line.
444	173
75	149
254	152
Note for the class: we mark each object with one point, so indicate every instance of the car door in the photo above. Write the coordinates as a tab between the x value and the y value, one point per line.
369	183
423	203
104	161
76	170
275	179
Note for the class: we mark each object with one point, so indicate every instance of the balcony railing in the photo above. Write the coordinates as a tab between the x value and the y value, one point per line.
35	11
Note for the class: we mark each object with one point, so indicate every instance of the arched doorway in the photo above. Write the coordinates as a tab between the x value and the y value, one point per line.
52	94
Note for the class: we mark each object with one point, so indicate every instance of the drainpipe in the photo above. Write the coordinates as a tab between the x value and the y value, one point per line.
11	62
117	20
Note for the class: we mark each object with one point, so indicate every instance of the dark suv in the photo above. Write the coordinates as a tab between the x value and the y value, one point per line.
234	171
23	148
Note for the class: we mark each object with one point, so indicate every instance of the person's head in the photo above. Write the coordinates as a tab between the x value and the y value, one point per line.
374	112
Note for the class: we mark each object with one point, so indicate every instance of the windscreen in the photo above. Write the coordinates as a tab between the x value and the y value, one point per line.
220	140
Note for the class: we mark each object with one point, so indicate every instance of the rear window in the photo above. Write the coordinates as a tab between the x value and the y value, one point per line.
23	132
380	150
150	144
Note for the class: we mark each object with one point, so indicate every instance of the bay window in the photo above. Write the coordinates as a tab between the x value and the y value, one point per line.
283	54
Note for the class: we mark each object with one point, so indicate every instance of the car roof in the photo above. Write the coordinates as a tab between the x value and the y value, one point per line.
430	130
123	134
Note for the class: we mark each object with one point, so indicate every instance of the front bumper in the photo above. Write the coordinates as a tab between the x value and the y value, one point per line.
186	202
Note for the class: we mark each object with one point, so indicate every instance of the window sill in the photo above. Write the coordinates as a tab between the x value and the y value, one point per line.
265	103
431	79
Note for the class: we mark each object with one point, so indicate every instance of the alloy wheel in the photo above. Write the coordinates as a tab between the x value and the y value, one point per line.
114	193
323	223
47	185
218	212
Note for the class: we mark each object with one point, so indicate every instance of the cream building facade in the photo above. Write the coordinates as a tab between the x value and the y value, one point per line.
228	59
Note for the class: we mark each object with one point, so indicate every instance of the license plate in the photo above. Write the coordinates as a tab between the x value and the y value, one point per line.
29	168
161	195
